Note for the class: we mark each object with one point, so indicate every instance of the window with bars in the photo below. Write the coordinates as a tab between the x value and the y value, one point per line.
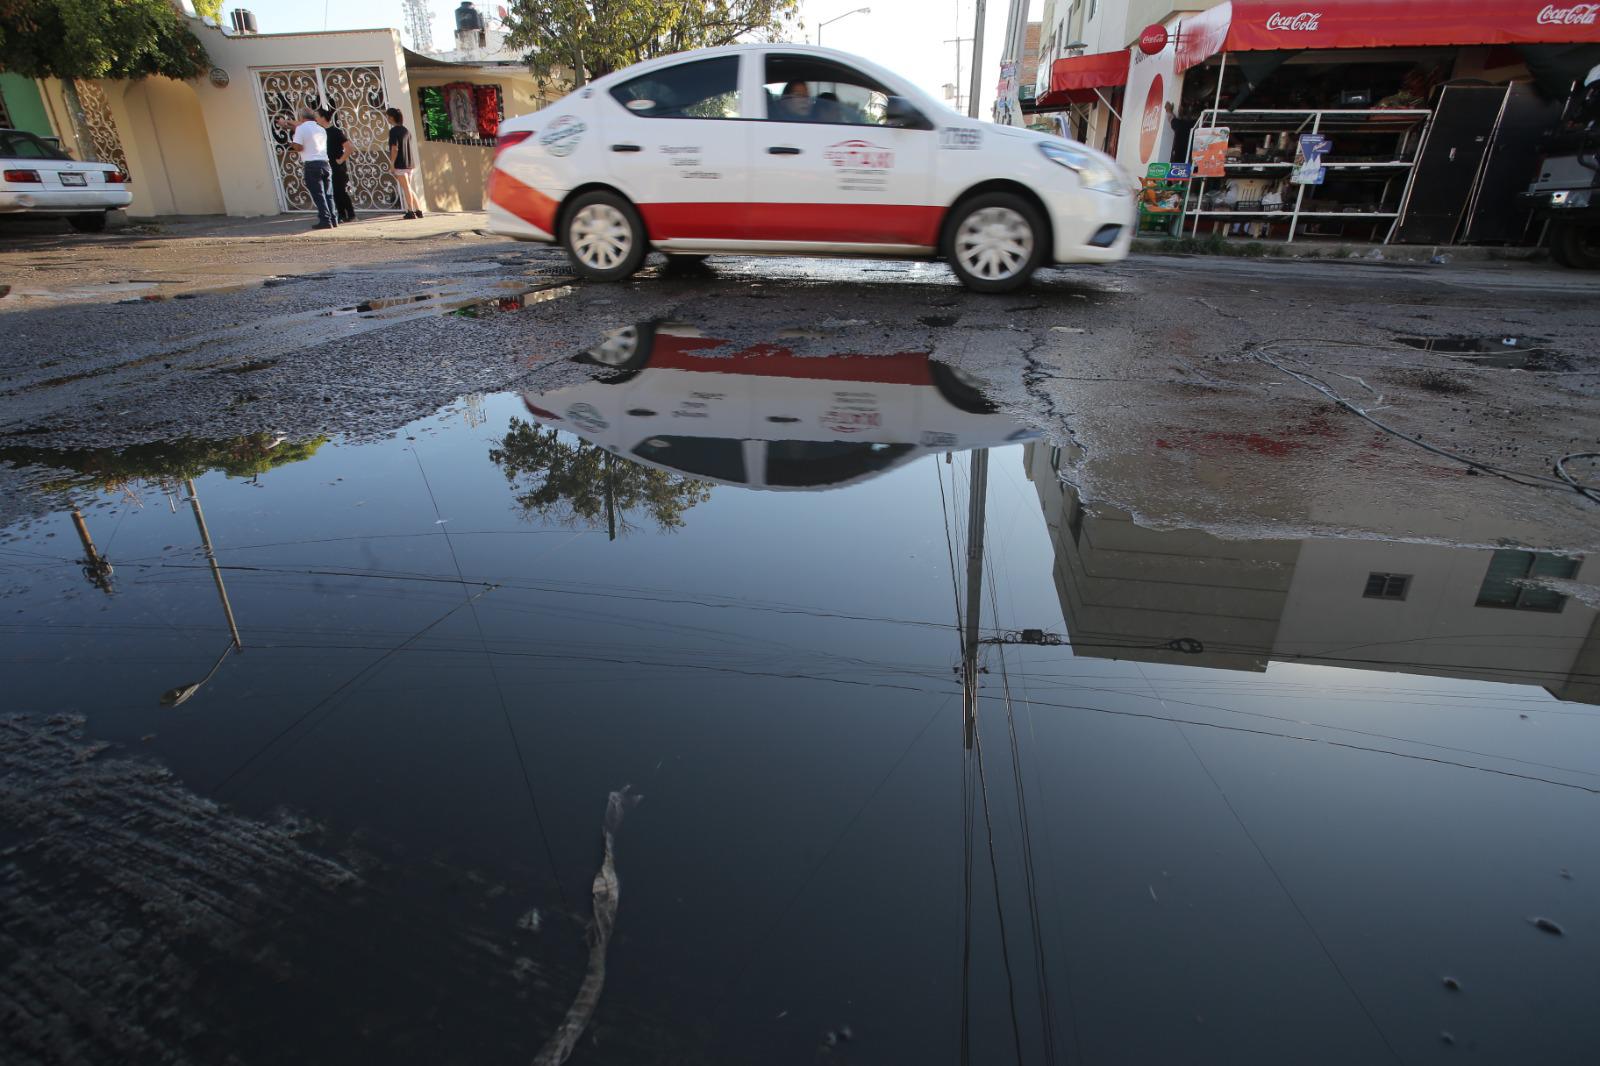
1387	586
1503	584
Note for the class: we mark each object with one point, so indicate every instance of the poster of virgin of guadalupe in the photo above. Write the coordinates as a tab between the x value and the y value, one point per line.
463	115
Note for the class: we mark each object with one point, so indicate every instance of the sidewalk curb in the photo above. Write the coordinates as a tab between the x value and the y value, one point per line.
1439	254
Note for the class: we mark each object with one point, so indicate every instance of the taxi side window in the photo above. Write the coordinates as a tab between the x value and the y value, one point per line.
706	88
805	89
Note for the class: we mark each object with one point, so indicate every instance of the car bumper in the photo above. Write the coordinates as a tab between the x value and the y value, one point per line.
1091	227
49	202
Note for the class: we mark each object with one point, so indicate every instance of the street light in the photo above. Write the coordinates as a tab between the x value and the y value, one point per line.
836	18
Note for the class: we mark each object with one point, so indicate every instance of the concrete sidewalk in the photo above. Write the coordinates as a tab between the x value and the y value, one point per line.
1240	247
373	225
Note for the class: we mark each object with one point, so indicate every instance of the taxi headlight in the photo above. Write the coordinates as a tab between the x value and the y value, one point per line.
1093	172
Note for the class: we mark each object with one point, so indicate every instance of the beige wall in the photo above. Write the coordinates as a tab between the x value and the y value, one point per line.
454	174
244	164
177	174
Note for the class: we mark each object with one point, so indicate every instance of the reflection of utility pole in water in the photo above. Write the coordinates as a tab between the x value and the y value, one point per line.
211	557
611	501
96	567
977	497
173	697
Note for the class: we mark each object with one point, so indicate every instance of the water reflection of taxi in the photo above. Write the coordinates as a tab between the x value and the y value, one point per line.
762	416
789	149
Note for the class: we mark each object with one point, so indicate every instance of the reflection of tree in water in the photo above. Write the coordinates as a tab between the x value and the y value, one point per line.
579	484
165	462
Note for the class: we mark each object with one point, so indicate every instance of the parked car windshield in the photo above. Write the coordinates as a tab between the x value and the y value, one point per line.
15	144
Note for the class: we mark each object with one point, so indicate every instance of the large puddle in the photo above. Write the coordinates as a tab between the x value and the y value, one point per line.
933	767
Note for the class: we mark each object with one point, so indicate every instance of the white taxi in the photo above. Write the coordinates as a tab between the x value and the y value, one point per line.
796	150
36	178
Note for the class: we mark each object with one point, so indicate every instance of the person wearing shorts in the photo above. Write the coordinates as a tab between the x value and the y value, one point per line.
403	161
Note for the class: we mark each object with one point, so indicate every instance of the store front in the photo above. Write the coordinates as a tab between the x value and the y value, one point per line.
1366	121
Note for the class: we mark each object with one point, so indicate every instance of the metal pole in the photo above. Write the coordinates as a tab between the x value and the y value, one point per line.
211	557
977	497
1294	220
977	63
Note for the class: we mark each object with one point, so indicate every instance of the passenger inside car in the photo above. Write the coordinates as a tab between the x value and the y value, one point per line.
795	105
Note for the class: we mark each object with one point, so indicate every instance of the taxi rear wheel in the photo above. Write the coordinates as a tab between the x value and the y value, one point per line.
604	237
995	242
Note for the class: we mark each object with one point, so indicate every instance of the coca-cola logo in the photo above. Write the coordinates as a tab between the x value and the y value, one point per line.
1150	122
1305	20
1576	15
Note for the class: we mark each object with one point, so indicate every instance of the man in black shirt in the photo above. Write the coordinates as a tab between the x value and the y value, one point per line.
338	156
403	160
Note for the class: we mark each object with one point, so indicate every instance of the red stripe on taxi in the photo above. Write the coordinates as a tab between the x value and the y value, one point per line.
523	200
823	223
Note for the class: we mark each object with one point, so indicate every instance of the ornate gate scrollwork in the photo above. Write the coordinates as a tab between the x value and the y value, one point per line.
357	96
92	114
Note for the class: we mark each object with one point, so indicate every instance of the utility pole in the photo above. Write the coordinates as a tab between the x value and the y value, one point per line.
977	499
958	42
977	64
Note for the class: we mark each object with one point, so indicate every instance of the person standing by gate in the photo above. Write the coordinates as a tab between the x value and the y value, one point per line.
338	156
402	159
311	141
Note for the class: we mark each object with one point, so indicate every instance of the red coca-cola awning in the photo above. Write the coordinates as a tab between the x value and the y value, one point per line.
1075	79
1257	26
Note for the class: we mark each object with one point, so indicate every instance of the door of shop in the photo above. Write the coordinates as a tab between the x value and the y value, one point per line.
1451	155
358	96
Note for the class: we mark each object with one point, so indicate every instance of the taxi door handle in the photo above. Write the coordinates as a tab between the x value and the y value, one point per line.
625	148
782	150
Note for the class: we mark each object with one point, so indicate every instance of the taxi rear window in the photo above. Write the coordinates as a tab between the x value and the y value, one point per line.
706	88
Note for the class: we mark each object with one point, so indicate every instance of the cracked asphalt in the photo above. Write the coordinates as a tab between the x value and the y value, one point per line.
1275	397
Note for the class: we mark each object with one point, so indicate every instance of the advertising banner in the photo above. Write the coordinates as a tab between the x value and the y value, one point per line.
1210	153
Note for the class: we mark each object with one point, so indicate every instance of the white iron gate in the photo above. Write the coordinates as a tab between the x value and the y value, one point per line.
358	96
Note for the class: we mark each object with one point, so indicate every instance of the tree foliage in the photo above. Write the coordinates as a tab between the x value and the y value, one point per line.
163	462
569	482
97	39
208	9
592	38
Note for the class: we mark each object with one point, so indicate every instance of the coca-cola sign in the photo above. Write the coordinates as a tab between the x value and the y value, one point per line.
1304	21
1575	15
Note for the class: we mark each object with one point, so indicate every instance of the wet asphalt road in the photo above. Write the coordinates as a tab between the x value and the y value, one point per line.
1204	392
315	772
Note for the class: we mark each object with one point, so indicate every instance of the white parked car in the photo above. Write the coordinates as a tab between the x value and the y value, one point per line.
37	178
796	150
764	417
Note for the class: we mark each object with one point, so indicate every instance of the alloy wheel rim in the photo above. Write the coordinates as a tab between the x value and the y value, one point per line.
994	243
601	236
617	348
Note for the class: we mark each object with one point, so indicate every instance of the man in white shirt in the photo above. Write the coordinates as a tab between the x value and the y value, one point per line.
311	141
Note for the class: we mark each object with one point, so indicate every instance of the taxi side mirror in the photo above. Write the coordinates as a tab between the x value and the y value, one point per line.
899	112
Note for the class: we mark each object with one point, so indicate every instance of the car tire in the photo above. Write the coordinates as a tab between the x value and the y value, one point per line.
604	237
995	242
92	222
625	350
1576	245
959	390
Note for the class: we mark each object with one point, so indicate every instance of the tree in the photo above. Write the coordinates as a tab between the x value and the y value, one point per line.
592	38
122	469
98	39
208	9
579	484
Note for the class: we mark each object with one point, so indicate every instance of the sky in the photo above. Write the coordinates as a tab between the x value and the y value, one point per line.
907	36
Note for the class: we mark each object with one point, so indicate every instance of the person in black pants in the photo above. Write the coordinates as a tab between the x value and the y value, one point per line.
338	156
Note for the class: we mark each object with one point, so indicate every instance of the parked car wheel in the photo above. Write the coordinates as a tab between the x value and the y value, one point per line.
995	242
604	237
90	222
1576	245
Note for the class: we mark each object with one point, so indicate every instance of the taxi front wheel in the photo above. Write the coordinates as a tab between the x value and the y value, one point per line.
604	237
995	242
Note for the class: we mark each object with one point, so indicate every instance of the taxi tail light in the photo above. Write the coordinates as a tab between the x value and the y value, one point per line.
506	140
24	176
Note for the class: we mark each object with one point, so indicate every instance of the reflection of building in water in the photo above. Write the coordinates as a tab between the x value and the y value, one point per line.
1366	604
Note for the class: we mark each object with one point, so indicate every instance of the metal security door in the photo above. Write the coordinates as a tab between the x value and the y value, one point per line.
358	96
1448	162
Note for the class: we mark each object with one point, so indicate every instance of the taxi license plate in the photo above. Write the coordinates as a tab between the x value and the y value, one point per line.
69	178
